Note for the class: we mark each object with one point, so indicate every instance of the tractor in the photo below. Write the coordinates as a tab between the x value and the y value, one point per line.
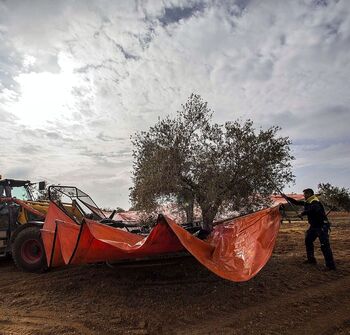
22	218
20	221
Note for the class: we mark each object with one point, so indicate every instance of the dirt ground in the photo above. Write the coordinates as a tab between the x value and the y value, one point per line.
286	297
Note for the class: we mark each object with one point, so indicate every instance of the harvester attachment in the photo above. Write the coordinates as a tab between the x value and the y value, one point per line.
236	250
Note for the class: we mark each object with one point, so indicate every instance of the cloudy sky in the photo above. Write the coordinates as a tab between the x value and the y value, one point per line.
77	78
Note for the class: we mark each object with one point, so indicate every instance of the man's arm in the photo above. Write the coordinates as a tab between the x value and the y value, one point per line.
293	201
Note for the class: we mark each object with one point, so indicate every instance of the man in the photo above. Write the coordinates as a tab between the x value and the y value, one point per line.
319	227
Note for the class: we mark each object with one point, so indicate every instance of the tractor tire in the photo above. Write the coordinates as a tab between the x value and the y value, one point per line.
28	251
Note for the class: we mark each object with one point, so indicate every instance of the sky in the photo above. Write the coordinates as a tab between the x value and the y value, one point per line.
78	78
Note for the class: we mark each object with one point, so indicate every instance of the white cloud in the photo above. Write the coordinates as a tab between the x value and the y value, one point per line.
91	74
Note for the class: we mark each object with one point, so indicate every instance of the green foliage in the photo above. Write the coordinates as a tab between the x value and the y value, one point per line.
337	198
188	158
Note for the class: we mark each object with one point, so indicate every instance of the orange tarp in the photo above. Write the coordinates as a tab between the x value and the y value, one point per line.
236	250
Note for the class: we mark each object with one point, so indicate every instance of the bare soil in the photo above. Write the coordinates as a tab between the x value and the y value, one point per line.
286	297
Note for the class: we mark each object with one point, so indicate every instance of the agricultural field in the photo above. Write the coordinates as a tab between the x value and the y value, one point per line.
182	297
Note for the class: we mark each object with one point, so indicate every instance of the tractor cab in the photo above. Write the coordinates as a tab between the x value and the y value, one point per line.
12	188
16	208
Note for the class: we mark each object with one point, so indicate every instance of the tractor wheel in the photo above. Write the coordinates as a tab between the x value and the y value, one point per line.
28	251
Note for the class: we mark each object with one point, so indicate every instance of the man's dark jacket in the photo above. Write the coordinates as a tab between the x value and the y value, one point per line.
314	211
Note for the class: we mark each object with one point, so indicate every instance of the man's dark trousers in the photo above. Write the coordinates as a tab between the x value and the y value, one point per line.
322	233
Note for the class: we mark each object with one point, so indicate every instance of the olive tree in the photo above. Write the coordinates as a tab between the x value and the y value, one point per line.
337	198
191	159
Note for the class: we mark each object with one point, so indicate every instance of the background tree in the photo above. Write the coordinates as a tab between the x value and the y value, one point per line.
43	195
191	159
337	198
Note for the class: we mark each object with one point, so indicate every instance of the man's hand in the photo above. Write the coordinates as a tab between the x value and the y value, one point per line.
286	197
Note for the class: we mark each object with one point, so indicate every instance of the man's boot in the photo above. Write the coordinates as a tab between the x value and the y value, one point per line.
311	260
328	257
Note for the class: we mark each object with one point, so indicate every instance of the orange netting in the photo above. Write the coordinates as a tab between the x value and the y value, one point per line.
236	250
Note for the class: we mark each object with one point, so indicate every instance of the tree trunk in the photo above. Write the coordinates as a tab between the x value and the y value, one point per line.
208	214
189	211
186	201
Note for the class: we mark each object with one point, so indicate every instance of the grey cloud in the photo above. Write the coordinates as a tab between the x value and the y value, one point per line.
107	190
99	122
234	8
10	63
323	3
120	153
242	4
176	13
333	121
329	124
29	31
107	64
6	117
45	134
146	38
277	62
127	54
311	176
54	135
20	172
30	148
338	110
113	192
107	187
335	155
33	133
45	62
106	138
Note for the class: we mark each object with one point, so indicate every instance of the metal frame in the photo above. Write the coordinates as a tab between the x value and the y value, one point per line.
74	195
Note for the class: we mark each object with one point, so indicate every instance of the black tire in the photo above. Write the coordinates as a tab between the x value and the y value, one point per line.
28	251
